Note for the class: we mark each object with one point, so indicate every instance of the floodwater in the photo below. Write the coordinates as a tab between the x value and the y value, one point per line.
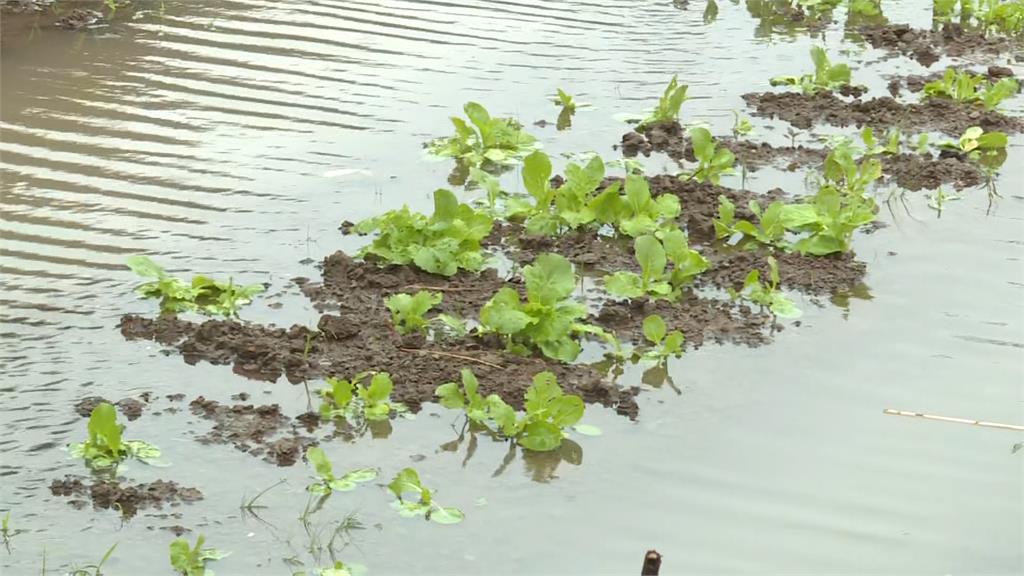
232	137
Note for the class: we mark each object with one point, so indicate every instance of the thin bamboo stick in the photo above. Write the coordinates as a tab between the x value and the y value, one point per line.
892	412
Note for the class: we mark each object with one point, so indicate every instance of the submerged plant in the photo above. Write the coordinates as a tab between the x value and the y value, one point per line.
351	399
653	255
548	320
485	140
826	76
713	161
328	482
548	410
668	106
964	87
89	569
767	295
105	448
407	481
7	533
444	243
191	561
204	295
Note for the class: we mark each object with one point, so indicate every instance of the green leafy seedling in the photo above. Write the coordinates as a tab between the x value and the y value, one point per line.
202	294
328	482
826	77
443	244
549	320
668	106
352	400
713	162
104	448
965	87
407	310
767	295
191	561
485	141
664	343
91	569
407	481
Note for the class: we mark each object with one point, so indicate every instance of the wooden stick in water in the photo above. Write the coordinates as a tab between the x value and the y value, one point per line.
652	563
892	412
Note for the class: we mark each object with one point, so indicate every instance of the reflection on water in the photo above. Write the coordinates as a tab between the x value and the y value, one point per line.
539	466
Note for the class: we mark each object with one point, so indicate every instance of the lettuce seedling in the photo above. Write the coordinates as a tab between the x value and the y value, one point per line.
873	147
328	482
664	343
653	255
986	148
836	215
548	320
767	295
965	87
408	481
407	311
191	561
713	162
485	140
564	100
444	243
350	399
668	106
1002	16
569	206
637	213
548	410
202	294
105	448
826	77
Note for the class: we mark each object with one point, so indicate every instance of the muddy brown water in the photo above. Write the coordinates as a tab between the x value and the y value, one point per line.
233	137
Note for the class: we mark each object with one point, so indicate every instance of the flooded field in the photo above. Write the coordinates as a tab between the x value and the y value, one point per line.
233	139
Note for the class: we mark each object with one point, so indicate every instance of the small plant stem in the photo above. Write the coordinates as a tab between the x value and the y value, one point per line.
450	355
1015	427
252	501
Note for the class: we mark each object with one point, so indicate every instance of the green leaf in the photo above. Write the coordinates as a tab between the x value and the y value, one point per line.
536	173
450	396
654	329
549	279
449	515
673	343
540	436
700	139
651	256
380	388
315	455
587	429
104	431
502	313
408	481
624	285
145	267
565	410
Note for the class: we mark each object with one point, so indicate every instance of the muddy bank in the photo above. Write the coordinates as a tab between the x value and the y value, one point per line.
130	408
416	366
665	137
803	111
118	495
927	46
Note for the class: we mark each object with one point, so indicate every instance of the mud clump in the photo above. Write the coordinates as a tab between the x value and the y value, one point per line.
131	408
804	111
250	429
129	499
664	137
927	46
814	275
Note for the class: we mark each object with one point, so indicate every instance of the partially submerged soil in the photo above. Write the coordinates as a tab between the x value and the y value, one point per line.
130	408
256	430
915	82
117	494
804	111
665	137
908	171
927	46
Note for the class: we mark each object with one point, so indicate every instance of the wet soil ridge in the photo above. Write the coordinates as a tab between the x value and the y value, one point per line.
927	46
127	498
803	111
909	171
664	137
256	430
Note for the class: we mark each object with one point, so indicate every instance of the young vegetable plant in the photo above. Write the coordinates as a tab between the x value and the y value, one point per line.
202	294
548	410
668	106
549	320
767	295
965	87
444	243
407	314
653	255
105	448
328	482
485	140
554	210
350	399
88	569
407	481
873	147
713	162
664	343
191	561
637	212
826	77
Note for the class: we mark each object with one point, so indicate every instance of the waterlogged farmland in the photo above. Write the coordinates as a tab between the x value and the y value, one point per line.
405	287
